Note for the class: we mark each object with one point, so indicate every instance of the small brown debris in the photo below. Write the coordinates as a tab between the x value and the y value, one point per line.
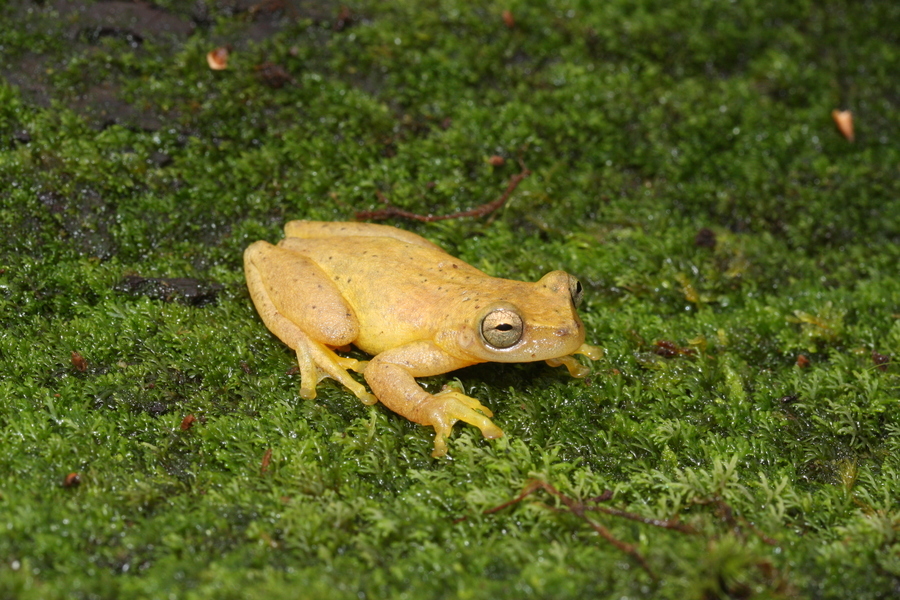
218	59
496	161
669	349
267	7
72	480
273	75
705	238
606	495
246	368
446	122
844	121
881	361
267	458
79	362
508	19
188	422
344	19
802	361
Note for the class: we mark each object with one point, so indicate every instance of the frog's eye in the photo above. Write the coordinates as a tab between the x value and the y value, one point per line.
501	328
576	291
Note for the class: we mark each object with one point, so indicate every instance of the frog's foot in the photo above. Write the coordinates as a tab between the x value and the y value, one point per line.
447	407
576	369
317	361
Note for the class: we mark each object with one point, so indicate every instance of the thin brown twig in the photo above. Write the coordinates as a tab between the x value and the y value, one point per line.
478	211
662	523
727	514
578	509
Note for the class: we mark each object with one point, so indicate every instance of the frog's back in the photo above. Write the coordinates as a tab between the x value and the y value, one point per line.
399	291
380	261
341	229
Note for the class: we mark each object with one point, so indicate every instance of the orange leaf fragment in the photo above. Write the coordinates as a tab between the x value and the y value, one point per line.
217	59
844	121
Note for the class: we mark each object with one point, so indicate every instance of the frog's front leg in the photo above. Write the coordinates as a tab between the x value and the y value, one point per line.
391	375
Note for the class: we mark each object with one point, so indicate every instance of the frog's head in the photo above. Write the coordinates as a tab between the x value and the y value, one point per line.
527	321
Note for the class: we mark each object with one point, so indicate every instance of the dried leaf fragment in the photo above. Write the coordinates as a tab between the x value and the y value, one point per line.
71	480
669	349
844	121
705	238
508	19
217	59
273	75
344	19
188	422
79	362
496	160
267	458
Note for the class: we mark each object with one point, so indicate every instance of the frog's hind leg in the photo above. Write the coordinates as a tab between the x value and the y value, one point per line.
299	304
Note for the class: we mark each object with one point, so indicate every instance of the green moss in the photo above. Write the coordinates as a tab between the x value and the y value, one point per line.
684	167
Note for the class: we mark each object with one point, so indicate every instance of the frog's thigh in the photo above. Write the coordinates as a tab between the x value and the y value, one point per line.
325	229
391	375
300	305
291	285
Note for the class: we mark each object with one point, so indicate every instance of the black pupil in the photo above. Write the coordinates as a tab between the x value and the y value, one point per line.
504	327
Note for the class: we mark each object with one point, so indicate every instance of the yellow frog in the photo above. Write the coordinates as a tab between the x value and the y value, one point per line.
415	308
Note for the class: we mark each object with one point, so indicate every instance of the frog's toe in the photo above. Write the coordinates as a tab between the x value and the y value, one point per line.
592	352
440	446
351	364
309	374
469	401
366	398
